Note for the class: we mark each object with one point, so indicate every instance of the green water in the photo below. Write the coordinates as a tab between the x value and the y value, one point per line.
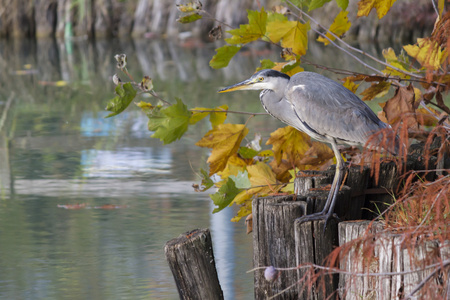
57	150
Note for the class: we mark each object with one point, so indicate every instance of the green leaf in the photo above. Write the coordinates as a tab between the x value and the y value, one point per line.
343	4
317	3
254	30
266	64
170	123
224	195
223	56
125	94
189	18
241	180
246	152
206	180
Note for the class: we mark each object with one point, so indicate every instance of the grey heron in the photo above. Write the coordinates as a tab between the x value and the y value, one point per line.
320	107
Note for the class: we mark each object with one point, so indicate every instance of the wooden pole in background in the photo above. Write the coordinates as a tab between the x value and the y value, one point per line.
191	260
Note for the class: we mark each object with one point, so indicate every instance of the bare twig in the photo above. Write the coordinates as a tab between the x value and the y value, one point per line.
426	279
230	111
351	47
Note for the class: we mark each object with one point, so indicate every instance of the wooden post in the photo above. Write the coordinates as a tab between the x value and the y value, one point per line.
386	254
313	243
191	260
379	194
352	287
273	244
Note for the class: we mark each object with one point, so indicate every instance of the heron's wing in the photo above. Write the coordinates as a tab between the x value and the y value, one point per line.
330	110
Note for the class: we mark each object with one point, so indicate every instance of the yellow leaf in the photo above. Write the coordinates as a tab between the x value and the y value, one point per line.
340	26
244	211
261	174
215	117
317	155
279	67
427	52
351	85
224	140
391	58
376	90
242	197
290	142
292	34
382	7
233	166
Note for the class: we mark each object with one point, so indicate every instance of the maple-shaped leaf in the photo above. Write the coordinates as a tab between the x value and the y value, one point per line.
244	210
343	4
392	59
292	34
206	182
265	64
216	117
317	155
376	90
427	52
125	94
234	165
224	195
317	4
254	30
224	140
223	56
169	123
340	25
241	180
351	85
382	7
290	142
402	105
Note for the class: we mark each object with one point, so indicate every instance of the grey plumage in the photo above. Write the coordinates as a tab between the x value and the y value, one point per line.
320	107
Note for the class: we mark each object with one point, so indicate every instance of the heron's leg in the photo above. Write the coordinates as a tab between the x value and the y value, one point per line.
328	209
337	180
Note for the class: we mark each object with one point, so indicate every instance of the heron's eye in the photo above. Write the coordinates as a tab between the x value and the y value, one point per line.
260	78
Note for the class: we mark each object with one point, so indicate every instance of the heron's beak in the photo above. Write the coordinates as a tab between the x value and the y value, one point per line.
238	86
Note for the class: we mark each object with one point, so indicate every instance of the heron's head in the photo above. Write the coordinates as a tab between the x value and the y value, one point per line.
263	80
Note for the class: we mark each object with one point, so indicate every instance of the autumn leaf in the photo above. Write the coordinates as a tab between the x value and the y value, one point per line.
289	142
215	117
351	85
381	6
254	30
125	94
401	106
223	56
340	25
392	59
224	140
292	34
317	155
427	52
376	90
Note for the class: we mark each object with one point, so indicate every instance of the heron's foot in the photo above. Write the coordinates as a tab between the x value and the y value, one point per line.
319	216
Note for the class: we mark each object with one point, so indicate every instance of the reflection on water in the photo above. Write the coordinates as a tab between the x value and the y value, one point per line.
58	151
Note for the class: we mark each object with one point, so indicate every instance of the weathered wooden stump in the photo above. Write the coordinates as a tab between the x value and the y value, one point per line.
379	194
273	244
385	254
191	260
313	244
